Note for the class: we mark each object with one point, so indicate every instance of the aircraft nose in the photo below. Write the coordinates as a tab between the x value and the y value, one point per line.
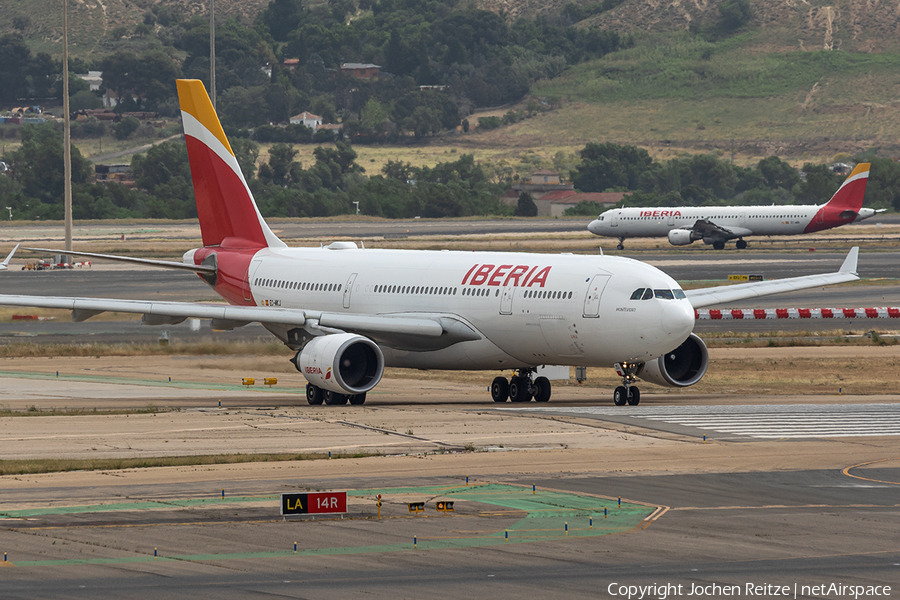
678	318
594	226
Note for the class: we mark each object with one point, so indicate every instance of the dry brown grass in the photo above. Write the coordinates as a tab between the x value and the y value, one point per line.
203	348
51	465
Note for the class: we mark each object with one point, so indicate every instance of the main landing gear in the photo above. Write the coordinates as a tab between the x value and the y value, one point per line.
521	387
316	395
627	393
740	245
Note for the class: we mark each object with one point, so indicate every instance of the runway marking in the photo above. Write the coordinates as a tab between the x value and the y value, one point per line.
759	421
546	514
846	471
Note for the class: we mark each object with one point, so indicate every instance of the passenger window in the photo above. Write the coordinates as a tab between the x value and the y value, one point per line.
648	294
636	294
664	294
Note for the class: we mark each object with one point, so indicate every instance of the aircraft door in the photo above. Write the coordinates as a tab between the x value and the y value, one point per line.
251	272
741	219
671	219
506	299
348	290
592	299
614	220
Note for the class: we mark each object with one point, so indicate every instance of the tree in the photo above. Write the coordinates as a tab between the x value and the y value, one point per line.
526	206
149	77
734	14
778	174
38	164
608	166
126	127
14	53
820	185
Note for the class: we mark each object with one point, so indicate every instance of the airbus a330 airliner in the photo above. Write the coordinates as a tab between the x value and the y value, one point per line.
348	312
685	225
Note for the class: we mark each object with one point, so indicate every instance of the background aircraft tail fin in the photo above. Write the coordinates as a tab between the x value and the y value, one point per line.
846	203
226	208
850	195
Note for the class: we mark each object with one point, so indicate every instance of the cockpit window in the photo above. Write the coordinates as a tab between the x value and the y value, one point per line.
601	217
636	295
664	294
679	294
648	293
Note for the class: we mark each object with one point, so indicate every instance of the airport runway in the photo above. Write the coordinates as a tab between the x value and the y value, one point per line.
761	503
785	528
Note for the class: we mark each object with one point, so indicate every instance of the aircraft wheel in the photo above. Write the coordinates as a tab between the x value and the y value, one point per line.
718	245
634	396
620	396
620	246
357	399
499	389
740	244
542	389
518	389
335	399
314	395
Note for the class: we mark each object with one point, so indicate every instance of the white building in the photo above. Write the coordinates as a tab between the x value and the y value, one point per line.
307	118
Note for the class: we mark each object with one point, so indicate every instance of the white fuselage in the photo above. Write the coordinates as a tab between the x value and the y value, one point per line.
528	309
744	220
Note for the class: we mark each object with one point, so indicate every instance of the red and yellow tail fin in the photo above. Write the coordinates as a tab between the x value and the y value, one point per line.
846	203
850	195
228	214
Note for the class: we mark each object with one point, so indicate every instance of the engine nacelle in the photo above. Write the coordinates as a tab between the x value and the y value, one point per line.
345	363
683	366
681	237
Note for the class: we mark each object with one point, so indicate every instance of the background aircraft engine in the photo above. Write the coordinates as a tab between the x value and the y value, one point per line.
681	237
341	362
683	366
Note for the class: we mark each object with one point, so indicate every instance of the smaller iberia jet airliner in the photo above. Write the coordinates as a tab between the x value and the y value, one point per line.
347	312
684	225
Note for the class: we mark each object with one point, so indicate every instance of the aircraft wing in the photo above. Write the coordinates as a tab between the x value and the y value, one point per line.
704	297
5	264
158	313
208	269
705	228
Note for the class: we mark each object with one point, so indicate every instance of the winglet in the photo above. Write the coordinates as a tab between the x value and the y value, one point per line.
849	265
5	264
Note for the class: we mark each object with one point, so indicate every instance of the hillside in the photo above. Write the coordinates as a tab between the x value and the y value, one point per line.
91	21
851	25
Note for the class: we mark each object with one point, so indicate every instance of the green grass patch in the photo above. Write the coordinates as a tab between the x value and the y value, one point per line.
53	465
686	67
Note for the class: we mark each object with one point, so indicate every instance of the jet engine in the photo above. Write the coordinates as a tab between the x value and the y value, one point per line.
681	237
683	366
345	363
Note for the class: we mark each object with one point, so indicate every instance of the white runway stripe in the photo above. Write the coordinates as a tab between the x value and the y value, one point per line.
763	422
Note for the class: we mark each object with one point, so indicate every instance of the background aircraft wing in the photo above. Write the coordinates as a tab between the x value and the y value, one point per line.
705	228
159	313
704	297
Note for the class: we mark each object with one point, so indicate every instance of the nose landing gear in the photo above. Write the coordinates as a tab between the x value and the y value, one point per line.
521	387
627	393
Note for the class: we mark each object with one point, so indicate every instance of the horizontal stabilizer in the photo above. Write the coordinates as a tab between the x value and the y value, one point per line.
167	264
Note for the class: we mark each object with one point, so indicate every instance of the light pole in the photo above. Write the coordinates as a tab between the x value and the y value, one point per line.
67	150
212	52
